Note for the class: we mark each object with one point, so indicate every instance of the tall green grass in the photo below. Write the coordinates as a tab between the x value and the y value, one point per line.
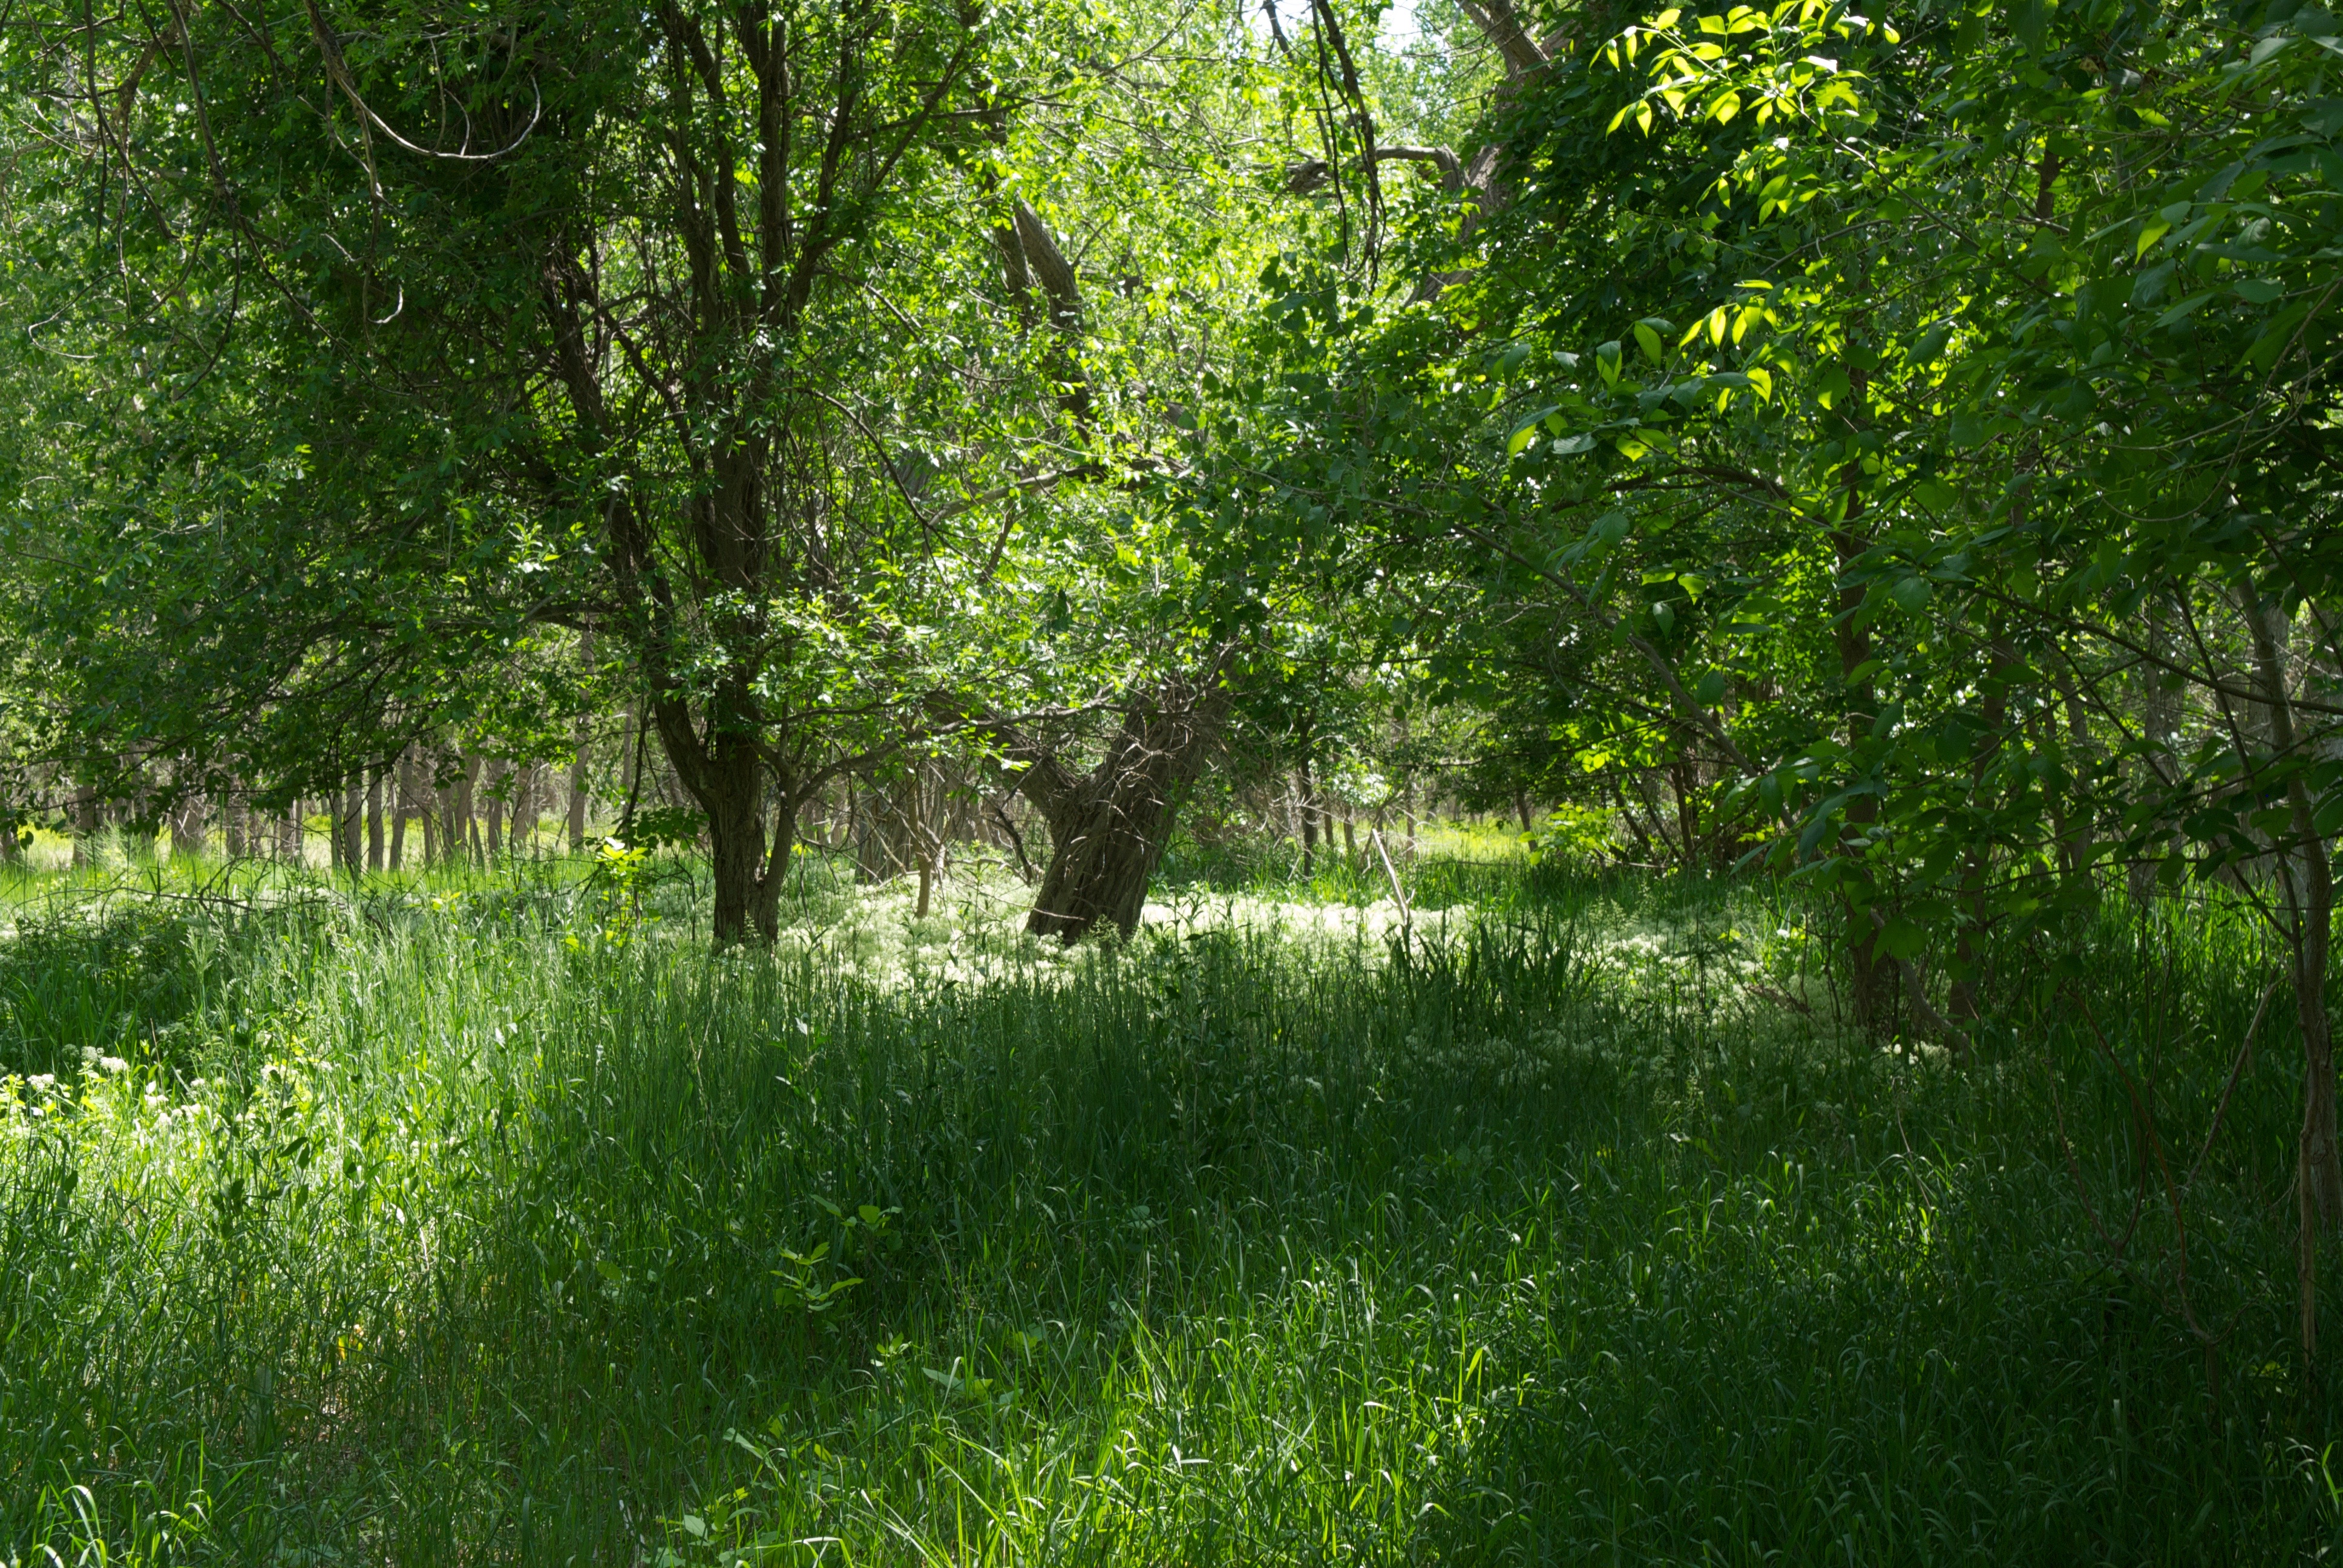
434	1225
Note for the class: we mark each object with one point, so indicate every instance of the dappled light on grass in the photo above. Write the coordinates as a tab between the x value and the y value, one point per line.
433	1235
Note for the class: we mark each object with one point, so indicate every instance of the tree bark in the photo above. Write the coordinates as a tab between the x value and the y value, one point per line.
920	828
374	819
727	774
2306	878
190	823
85	823
402	799
1968	944
1304	806
1870	972
499	784
2159	716
235	814
457	833
1108	827
529	804
349	819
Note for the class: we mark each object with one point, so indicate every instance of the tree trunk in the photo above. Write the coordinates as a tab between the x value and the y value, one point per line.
190	824
458	836
919	831
1968	945
2159	716
374	819
581	740
576	823
883	832
499	784
236	815
2305	878
402	797
529	804
1108	828
1870	972
348	807
85	824
2074	845
725	774
1305	806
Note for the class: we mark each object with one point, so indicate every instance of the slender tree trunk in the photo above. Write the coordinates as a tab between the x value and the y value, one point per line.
500	783
463	835
1683	786
1968	945
1306	806
2075	844
1870	976
235	814
354	824
2159	716
919	826
402	802
528	805
374	819
85	824
2305	878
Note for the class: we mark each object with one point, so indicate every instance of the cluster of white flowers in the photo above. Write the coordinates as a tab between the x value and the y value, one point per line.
975	934
1655	954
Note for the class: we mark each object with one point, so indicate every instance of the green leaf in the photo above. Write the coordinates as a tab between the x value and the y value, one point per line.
1527	433
1900	938
2181	311
1649	342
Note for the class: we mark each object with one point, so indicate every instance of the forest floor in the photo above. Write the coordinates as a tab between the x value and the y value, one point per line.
487	1218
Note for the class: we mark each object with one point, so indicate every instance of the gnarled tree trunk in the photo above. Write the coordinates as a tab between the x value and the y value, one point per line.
1109	827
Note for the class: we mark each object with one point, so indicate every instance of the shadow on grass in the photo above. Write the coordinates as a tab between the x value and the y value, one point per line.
491	1247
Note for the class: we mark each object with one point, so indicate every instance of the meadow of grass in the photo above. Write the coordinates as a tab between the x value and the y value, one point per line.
475	1219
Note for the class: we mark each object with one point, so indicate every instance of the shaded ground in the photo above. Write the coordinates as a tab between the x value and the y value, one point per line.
457	1231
